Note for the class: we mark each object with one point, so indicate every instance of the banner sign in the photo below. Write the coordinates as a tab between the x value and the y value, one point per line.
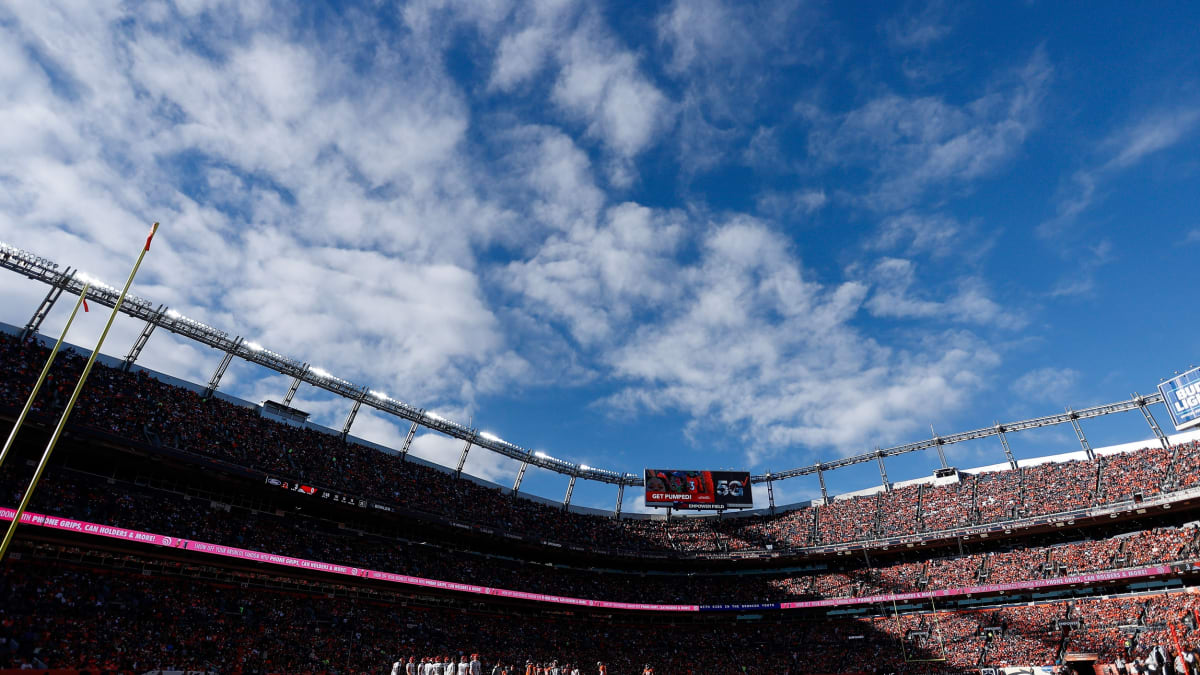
56	523
690	489
1182	396
739	607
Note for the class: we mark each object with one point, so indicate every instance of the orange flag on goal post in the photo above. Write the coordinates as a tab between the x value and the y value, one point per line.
62	421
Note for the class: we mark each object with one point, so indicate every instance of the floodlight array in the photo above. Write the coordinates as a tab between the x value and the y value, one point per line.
188	325
324	374
12	252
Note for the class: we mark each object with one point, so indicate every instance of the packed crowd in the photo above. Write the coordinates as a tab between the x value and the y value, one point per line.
144	410
948	506
391	548
73	615
898	510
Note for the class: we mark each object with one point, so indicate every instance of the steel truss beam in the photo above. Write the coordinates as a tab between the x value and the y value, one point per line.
291	393
215	380
408	439
39	315
1012	461
820	468
1083	441
462	459
140	343
353	413
937	443
1162	439
570	489
520	477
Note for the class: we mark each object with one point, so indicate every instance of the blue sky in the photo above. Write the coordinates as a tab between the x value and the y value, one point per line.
695	233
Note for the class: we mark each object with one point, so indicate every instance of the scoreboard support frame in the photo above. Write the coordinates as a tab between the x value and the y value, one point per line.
1158	432
887	486
570	490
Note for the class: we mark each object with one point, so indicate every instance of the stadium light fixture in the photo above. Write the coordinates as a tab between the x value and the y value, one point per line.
584	467
94	282
379	394
319	372
491	437
30	258
253	346
176	316
435	416
540	454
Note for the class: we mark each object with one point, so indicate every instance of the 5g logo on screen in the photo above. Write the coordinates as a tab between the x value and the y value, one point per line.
729	488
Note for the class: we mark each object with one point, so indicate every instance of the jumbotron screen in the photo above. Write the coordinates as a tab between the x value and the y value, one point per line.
714	489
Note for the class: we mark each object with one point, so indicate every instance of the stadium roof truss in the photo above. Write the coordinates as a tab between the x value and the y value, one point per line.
47	272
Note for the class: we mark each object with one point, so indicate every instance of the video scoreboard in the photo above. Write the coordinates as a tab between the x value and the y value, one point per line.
680	488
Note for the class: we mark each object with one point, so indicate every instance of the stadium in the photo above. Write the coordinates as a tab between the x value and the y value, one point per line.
552	337
212	534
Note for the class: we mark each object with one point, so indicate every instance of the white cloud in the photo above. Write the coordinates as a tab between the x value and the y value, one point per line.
1080	279
595	277
918	30
893	278
1124	149
601	84
724	39
554	177
440	335
787	205
726	58
1050	385
597	81
892	296
704	32
910	145
1153	134
752	345
936	234
528	47
520	56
